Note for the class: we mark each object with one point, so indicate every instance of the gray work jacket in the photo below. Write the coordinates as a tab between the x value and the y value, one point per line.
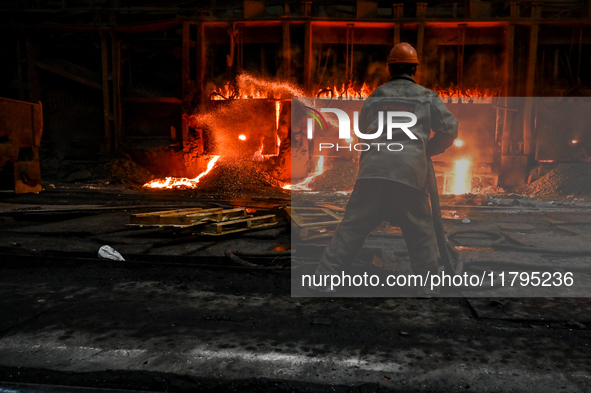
408	165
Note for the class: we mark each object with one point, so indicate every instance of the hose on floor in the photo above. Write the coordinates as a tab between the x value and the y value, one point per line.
499	242
231	256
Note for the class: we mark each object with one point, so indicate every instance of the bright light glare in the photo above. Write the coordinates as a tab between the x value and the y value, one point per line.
459	143
574	141
242	137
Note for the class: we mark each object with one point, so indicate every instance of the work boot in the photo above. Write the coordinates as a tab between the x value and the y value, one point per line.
321	270
322	288
425	292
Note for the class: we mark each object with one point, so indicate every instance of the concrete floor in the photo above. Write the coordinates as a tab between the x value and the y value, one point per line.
178	318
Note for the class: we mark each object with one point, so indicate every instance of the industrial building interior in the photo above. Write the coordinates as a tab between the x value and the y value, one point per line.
162	130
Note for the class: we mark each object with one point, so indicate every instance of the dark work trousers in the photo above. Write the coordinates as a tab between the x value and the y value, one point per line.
372	202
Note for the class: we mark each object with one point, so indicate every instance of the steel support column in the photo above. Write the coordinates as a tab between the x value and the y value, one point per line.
420	41
286	49
106	91
201	61
185	78
308	54
531	61
528	123
116	89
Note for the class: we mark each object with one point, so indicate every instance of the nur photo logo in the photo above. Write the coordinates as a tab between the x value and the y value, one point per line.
386	120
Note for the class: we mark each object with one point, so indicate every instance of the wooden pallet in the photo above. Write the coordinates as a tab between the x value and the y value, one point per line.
313	222
233	226
183	218
211	222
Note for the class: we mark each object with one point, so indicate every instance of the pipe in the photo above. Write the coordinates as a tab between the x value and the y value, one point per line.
286	253
229	254
442	242
500	239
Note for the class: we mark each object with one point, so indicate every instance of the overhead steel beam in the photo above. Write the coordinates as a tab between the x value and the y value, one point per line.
286	49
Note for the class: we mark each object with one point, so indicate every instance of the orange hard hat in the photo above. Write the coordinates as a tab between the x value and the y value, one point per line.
403	53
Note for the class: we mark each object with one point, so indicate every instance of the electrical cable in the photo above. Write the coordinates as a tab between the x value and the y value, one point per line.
499	243
229	254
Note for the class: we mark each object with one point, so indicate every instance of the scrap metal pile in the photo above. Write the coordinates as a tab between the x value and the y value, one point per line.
564	179
235	176
340	175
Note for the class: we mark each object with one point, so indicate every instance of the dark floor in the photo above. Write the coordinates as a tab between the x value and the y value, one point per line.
178	316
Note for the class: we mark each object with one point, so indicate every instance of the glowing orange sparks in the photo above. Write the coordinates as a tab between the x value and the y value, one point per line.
181	182
251	87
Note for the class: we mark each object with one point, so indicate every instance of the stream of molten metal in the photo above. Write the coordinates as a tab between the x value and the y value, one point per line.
462	178
181	182
303	185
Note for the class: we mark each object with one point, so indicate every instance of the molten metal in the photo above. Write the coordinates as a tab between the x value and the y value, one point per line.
462	179
181	182
250	87
258	155
303	185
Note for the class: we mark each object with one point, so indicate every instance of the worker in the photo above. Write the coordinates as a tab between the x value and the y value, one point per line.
393	185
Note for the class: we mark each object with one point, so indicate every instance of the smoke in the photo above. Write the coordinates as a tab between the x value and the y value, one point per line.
482	68
377	74
330	70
